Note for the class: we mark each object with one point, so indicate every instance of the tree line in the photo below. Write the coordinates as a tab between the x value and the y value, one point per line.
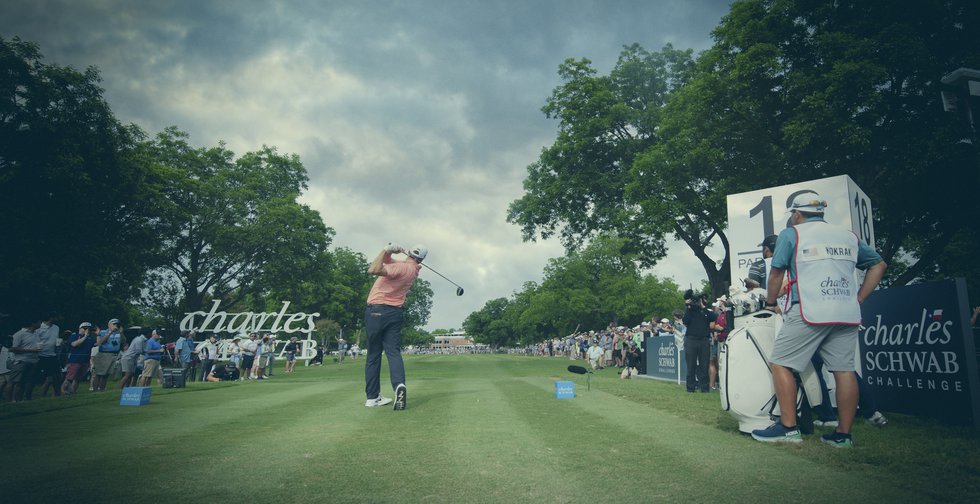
791	90
104	220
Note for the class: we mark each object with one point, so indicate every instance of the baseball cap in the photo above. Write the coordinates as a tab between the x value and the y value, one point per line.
769	242
418	252
114	321
664	320
808	202
84	324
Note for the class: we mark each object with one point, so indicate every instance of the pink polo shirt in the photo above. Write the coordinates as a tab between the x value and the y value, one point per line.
391	287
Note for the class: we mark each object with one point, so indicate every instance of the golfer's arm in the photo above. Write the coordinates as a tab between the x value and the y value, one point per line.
377	266
871	279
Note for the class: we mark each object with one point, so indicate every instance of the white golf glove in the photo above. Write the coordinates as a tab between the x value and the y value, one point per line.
394	249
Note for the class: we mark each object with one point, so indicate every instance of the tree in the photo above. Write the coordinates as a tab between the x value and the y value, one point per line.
231	229
797	90
577	186
417	307
75	204
792	90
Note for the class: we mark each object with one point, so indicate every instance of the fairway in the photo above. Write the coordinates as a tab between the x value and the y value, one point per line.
477	429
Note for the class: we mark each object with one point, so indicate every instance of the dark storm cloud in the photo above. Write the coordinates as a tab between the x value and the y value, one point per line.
424	110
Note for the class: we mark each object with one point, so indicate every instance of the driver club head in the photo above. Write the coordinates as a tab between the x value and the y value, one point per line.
459	291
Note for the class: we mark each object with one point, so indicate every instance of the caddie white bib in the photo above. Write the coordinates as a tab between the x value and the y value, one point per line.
825	259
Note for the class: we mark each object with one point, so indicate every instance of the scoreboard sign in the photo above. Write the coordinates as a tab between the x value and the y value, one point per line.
756	214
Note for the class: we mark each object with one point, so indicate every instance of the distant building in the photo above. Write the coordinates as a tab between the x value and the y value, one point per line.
457	341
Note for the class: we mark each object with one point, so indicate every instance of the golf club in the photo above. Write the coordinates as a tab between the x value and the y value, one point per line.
459	290
582	370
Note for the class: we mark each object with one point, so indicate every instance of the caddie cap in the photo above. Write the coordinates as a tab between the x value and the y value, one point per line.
808	202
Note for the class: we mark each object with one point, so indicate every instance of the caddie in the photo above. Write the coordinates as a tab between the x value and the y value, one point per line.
822	313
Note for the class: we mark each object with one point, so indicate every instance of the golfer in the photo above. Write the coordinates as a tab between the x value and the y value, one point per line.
823	312
383	321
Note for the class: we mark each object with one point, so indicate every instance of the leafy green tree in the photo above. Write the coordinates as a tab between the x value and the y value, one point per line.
417	307
75	200
487	326
576	188
231	229
792	90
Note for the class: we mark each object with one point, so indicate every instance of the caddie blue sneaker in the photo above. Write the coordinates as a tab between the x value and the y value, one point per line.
778	433
838	440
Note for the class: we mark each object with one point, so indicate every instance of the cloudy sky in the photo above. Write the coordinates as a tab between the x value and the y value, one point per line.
416	120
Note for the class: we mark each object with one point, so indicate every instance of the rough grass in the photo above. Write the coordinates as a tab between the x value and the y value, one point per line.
478	429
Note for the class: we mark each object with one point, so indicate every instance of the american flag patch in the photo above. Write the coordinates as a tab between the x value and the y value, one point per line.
937	315
811	251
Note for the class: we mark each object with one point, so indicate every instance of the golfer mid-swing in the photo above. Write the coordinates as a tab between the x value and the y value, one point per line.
383	321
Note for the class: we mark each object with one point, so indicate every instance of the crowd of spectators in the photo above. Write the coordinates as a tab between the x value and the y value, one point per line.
41	360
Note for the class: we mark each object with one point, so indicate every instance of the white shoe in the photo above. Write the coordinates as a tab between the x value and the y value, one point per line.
380	401
877	419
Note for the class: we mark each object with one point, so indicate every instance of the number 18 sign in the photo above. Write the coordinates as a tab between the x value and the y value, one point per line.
756	214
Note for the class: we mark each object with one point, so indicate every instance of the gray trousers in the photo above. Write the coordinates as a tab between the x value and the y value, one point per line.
383	328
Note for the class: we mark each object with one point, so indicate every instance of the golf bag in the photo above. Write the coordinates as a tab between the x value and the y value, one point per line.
745	380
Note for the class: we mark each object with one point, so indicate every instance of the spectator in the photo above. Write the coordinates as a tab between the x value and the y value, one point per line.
697	342
317	359
151	359
208	353
595	354
129	360
290	350
4	370
719	333
270	356
355	350
248	356
48	368
110	343
605	343
234	351
79	356
25	349
223	373
186	352
341	349
258	368
96	330
680	330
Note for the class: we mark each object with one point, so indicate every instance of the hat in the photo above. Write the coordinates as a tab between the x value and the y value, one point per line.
769	242
84	324
418	252
114	321
665	321
808	202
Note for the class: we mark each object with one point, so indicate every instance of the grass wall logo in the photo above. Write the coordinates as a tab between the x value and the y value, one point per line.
245	322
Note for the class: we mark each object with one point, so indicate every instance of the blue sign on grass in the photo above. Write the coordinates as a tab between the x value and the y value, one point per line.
564	390
135	396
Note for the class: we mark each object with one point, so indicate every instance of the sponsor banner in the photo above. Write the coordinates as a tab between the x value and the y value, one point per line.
917	351
664	360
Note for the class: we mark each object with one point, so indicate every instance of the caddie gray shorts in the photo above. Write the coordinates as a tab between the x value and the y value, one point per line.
798	341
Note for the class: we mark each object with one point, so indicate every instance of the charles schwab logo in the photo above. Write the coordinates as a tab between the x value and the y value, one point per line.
835	287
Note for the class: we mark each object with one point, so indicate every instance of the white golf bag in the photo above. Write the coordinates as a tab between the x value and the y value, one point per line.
744	377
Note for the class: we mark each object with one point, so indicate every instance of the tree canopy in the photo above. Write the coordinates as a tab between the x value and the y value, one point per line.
791	90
